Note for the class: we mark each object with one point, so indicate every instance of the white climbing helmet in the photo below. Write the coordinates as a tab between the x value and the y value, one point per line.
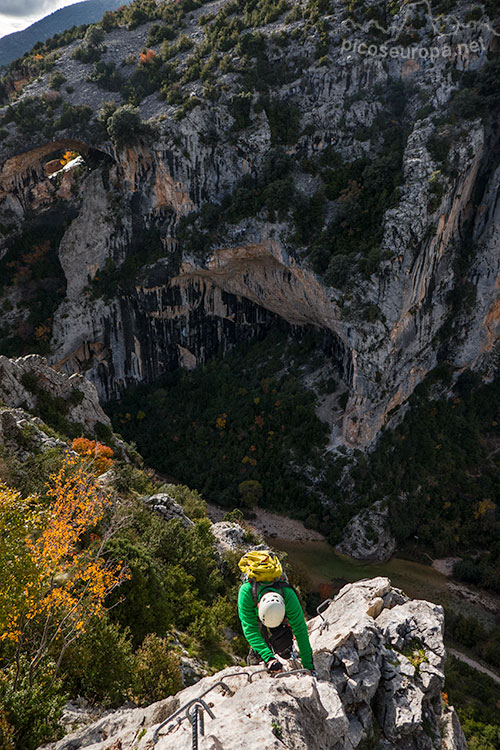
271	609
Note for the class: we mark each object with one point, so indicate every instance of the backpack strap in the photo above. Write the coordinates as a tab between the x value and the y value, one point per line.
255	590
257	586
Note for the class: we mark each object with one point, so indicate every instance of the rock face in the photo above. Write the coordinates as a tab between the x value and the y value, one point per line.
22	381
185	304
367	537
23	432
379	658
167	507
229	536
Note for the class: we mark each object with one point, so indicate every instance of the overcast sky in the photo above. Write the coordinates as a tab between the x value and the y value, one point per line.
18	14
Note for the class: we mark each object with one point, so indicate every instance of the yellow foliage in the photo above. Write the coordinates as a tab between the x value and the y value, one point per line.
67	582
68	156
221	422
483	507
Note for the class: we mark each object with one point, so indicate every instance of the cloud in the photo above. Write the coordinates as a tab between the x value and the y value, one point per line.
19	8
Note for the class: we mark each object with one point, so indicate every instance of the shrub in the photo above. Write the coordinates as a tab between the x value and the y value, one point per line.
86	54
143	604
467	571
159	33
251	492
99	665
191	500
439	147
100	455
284	121
339	269
6	733
125	126
103	432
157	670
57	80
32	708
73	117
106	76
240	108
94	36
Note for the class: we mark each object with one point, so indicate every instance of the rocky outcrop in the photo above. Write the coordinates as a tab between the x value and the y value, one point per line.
229	536
24	380
379	658
167	508
24	433
367	535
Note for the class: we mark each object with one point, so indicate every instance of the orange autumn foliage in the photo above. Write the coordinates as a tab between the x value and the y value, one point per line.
101	454
68	156
146	57
67	582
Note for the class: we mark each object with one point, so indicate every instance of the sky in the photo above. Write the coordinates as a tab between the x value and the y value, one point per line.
16	15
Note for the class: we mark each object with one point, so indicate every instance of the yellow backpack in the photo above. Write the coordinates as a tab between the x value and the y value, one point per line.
261	565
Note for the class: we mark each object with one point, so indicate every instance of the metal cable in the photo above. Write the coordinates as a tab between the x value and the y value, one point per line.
196	716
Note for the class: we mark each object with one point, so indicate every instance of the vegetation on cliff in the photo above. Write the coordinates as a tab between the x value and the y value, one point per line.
476	698
439	471
242	429
87	571
32	279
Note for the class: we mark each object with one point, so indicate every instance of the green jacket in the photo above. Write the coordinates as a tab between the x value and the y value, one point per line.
249	617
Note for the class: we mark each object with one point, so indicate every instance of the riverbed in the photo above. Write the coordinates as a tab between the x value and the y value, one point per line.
326	566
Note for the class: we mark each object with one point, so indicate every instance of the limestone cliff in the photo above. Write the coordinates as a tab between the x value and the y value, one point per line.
143	296
30	383
379	658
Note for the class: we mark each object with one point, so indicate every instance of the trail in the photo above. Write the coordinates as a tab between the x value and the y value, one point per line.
474	664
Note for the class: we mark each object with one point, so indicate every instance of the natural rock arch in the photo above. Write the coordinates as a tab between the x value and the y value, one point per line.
21	171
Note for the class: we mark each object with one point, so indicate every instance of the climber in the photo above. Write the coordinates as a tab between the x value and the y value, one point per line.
270	613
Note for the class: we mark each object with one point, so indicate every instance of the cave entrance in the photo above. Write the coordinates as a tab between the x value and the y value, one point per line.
68	156
62	160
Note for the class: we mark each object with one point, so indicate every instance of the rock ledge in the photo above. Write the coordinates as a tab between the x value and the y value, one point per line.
379	657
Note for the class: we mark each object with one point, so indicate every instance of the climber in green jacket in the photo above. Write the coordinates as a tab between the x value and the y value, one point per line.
270	625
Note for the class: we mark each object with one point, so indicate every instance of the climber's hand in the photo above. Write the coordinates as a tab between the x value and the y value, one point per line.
274	666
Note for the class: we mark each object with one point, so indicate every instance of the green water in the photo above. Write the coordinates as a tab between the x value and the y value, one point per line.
324	565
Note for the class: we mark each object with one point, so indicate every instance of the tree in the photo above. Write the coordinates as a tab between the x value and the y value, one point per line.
53	583
251	492
94	36
100	455
126	127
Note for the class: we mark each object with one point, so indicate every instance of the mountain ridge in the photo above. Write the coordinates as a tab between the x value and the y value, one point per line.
17	43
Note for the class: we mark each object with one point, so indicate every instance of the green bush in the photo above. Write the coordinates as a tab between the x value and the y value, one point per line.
73	117
143	604
106	76
475	697
32	710
284	121
192	502
57	80
100	664
156	670
125	126
339	270
6	733
240	108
